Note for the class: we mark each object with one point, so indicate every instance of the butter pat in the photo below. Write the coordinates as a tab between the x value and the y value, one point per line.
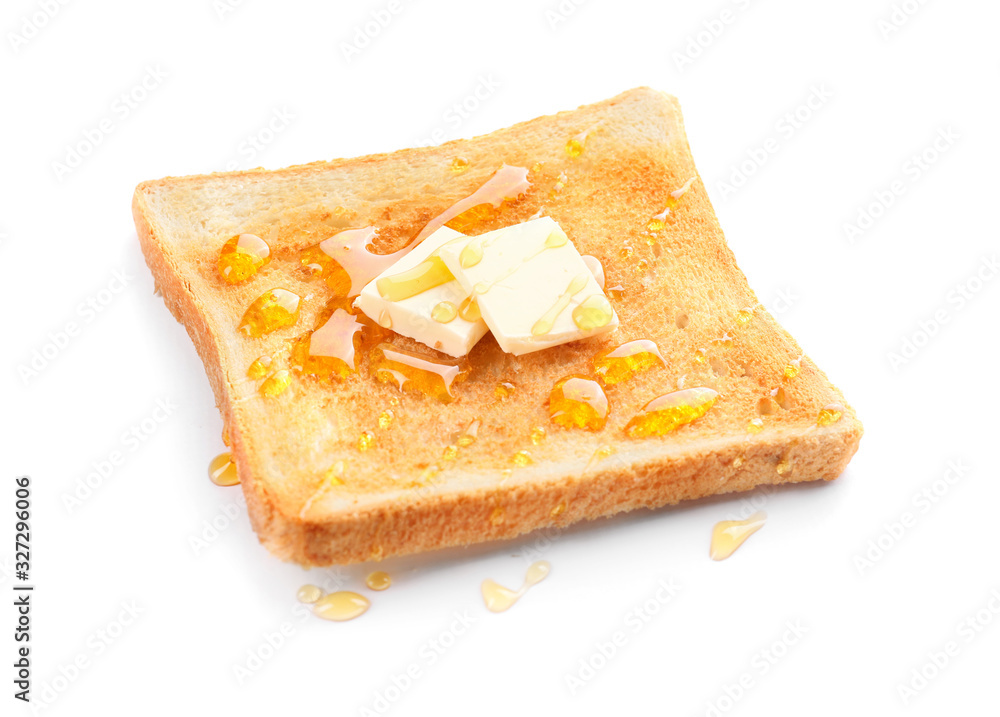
533	288
418	297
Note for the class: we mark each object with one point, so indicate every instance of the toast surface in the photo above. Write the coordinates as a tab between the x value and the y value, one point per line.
316	498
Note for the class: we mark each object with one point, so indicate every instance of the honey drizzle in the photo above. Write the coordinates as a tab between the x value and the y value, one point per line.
547	321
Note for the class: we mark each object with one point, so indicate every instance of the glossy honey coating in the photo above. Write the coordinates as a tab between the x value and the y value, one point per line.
669	411
272	310
593	312
331	350
578	402
242	257
411	371
378	580
624	362
259	368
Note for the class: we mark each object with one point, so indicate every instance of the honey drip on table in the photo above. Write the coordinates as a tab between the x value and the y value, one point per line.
728	535
222	470
340	606
498	598
378	580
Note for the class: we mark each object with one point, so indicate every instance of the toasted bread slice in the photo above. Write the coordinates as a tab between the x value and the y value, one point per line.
316	498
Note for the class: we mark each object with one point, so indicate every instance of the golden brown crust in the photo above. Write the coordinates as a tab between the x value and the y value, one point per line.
685	297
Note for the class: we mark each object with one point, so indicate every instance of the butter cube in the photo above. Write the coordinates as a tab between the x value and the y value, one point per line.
533	288
419	298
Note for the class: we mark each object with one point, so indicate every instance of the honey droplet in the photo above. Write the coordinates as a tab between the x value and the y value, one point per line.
744	316
669	411
309	594
617	292
330	350
459	165
737	461
276	383
537	435
784	466
334	476
444	312
385	419
522	458
599	455
627	361
258	369
222	470
792	370
471	254
829	414
593	313
468	435
557	510
411	371
384	320
242	257
365	441
378	580
497	516
756	425
449	453
340	606
272	310
580	402
626	252
575	146
504	390
556	239
469	309
426	275
656	224
498	598
728	535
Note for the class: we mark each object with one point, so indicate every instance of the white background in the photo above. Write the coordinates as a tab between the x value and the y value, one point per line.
851	304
